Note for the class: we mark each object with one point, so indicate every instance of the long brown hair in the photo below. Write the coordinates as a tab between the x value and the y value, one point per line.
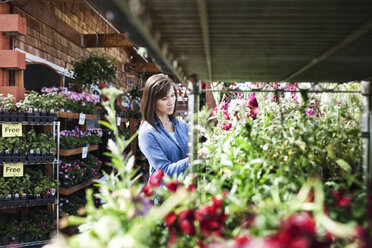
156	87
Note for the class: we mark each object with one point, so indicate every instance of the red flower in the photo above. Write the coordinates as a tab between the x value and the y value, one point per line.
186	222
172	186
342	199
172	238
147	190
102	85
364	236
192	187
297	231
211	217
369	207
201	244
156	178
241	241
170	219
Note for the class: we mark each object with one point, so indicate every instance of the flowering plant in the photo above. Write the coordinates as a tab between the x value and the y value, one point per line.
78	171
284	178
7	103
78	138
35	225
72	101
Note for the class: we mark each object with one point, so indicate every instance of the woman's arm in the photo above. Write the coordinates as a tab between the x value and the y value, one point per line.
155	155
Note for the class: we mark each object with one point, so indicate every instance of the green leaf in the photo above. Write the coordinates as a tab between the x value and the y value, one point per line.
331	152
343	164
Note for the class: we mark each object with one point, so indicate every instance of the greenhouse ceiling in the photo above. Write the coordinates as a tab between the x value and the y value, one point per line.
251	40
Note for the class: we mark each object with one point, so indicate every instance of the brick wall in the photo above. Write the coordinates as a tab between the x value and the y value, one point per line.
43	41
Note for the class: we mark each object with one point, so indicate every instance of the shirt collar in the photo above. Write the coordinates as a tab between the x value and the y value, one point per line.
173	119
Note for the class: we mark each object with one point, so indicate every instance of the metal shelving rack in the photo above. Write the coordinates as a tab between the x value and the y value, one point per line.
55	174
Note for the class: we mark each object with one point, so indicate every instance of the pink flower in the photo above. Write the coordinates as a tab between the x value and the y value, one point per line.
156	178
253	113
252	101
227	126
310	112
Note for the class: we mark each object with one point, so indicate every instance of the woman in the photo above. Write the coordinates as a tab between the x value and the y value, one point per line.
162	138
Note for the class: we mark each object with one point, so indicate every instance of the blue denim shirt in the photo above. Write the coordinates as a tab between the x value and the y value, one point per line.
160	149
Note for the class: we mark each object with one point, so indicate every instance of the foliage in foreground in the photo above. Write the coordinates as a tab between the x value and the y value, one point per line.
277	174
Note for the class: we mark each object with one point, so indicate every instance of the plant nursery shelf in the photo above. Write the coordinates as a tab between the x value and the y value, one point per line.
29	123
76	116
63	152
69	191
26	203
34	243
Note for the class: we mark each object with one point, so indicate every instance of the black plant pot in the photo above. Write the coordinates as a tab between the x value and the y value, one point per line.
33	117
7	159
6	116
4	240
43	117
45	158
67	184
13	116
34	159
51	117
20	116
27	238
16	158
22	158
50	158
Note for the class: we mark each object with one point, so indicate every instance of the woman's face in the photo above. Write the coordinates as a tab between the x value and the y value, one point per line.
165	105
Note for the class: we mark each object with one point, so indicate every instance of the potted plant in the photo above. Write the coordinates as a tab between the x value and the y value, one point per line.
8	108
38	191
33	102
94	69
14	230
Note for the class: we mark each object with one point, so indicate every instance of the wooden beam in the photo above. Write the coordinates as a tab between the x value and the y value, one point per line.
141	22
142	67
203	16
105	40
356	34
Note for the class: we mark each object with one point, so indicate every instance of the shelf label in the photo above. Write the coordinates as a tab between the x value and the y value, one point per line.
13	170
85	152
82	119
12	130
118	121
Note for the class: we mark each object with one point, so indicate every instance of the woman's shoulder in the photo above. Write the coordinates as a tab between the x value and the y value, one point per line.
145	128
182	123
